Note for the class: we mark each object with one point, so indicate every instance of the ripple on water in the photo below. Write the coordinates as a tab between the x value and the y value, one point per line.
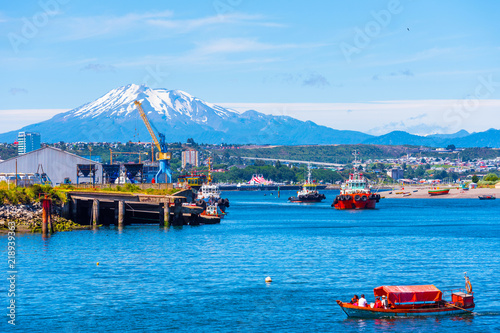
211	278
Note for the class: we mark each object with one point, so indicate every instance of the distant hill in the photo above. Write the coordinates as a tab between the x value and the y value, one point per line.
113	117
489	138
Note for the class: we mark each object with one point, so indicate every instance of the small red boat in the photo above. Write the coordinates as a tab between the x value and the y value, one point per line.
410	301
486	197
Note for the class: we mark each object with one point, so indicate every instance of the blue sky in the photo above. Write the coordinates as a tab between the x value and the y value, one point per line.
317	60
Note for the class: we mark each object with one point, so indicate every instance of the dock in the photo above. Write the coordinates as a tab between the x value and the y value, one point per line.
104	208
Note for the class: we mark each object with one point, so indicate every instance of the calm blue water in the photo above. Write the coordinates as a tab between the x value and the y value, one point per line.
211	278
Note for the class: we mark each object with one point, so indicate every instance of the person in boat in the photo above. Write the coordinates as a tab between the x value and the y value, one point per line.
362	301
378	303
385	303
354	300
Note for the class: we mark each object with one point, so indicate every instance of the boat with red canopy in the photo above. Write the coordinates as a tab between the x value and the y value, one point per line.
409	301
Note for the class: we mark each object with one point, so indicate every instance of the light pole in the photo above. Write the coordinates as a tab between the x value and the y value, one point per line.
90	172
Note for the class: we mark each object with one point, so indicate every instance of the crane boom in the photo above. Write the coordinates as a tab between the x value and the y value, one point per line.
162	154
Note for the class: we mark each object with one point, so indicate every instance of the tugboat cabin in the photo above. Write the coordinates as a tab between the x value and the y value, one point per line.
192	181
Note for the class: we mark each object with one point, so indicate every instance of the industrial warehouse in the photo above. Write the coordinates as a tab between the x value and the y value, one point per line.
50	165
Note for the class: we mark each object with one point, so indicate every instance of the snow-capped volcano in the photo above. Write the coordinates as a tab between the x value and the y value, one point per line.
172	104
177	114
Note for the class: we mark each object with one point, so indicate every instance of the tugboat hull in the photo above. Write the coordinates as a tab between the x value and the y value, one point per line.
294	199
358	201
310	197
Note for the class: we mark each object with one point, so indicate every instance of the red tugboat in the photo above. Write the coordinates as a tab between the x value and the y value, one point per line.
356	194
411	301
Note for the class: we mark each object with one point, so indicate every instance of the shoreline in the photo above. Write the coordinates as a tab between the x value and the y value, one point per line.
409	192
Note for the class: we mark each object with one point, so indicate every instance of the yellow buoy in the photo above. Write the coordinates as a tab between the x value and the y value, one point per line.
97	264
268	279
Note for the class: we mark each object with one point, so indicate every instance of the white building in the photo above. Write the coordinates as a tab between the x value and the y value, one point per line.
190	157
395	173
56	163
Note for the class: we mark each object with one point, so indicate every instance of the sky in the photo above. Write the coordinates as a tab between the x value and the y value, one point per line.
374	66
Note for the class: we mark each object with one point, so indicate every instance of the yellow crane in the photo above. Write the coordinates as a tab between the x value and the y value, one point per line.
164	174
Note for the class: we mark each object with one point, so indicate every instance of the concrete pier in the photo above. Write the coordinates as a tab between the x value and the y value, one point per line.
95	212
164	214
121	212
120	209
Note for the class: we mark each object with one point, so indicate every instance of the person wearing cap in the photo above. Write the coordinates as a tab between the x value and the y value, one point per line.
385	303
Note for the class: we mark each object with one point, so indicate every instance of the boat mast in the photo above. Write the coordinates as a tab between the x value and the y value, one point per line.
309	173
355	162
209	178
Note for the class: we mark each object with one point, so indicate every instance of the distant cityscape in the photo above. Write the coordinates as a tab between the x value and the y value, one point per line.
66	162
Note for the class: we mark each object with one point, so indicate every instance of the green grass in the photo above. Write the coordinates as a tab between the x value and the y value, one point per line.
11	195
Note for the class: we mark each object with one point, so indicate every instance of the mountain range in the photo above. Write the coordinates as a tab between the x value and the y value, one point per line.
114	117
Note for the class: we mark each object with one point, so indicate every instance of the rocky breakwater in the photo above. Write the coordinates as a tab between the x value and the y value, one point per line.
28	218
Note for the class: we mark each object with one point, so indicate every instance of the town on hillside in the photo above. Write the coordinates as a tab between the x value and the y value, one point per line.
237	164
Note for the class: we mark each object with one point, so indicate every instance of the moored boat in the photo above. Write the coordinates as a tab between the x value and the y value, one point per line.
438	191
355	193
486	197
191	181
209	198
309	192
410	301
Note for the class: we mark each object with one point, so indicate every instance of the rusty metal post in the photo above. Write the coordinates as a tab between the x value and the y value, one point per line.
46	219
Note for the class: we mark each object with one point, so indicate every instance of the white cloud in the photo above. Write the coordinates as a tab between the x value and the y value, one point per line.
79	28
15	119
193	24
249	50
380	117
152	25
235	45
98	68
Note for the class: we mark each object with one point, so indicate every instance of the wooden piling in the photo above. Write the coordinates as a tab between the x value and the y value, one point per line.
166	215
161	216
66	210
178	219
74	210
121	213
95	212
